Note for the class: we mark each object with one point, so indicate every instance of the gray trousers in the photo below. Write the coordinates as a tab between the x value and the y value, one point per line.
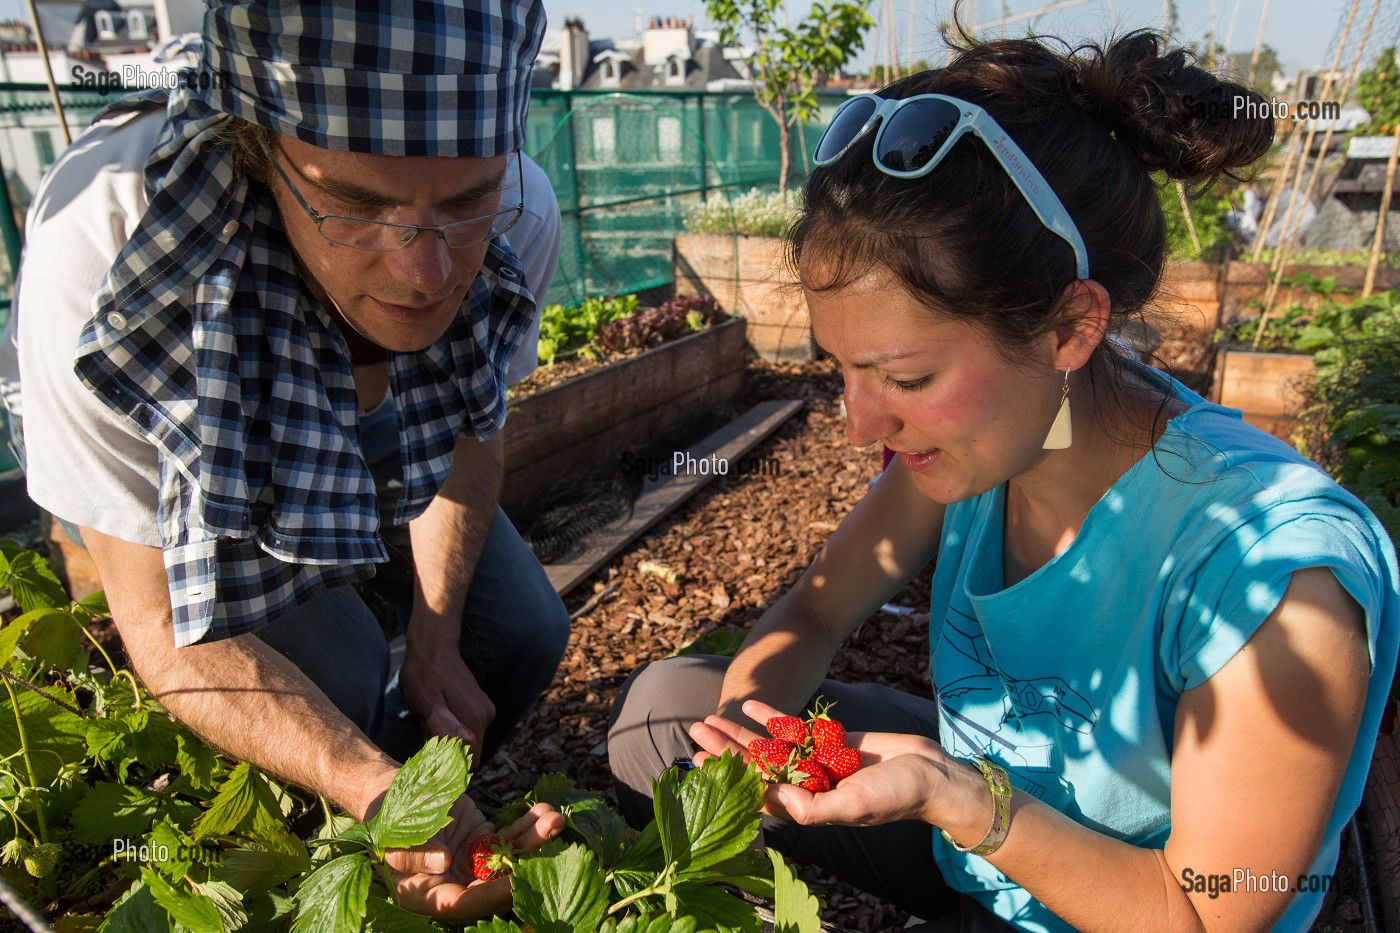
894	862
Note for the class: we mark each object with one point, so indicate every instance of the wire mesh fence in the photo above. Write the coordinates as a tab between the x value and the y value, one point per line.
625	168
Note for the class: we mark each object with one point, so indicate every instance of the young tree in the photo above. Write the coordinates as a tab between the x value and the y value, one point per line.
787	63
1378	90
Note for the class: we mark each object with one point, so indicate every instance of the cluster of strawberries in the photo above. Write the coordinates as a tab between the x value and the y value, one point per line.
811	753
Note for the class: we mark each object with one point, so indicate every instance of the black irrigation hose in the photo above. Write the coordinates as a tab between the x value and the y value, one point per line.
20	908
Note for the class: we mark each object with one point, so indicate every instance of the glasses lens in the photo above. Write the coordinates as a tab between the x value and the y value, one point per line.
478	231
365	235
915	134
844	127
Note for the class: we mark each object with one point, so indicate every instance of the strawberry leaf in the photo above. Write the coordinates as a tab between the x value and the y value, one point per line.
244	804
660	923
562	890
387	917
720	804
255	871
114	811
795	910
194	913
196	761
28	578
136	911
334	898
228	901
495	925
417	803
716	909
56	639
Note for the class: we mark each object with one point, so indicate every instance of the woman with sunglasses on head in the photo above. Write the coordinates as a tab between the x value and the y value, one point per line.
1160	639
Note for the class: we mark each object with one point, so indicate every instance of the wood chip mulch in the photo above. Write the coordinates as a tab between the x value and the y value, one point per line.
734	548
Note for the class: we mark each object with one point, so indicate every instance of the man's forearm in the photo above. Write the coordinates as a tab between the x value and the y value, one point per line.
248	700
448	539
238	694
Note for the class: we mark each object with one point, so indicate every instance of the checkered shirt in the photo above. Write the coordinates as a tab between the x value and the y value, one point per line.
205	340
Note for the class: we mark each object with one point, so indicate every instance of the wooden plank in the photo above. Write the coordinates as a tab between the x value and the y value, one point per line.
581	408
529	479
659	497
1262	385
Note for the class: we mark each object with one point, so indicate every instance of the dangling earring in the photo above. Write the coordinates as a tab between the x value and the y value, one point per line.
1062	431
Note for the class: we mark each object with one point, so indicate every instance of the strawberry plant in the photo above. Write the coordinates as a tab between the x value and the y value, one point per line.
115	818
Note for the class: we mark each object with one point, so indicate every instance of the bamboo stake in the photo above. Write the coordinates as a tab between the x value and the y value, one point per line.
1290	232
48	74
1190	223
912	4
1258	43
1271	206
1380	217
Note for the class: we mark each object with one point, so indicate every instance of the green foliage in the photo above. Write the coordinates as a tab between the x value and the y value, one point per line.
788	63
1208	210
101	791
565	331
674	875
1378	91
751	214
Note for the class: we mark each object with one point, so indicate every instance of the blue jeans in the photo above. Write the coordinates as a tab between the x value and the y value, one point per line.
514	630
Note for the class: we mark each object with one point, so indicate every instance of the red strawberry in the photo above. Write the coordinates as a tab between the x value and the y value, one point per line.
770	754
488	863
842	762
813	777
788	728
825	730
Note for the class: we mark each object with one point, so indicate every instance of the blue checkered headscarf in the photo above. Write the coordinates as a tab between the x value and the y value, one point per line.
206	340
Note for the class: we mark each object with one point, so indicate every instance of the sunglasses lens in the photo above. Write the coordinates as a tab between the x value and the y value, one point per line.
915	134
844	127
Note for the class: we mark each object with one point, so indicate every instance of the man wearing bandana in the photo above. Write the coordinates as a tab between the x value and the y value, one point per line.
230	291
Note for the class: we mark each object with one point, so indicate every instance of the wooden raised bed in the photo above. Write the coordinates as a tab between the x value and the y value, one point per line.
598	415
1247	282
1265	386
747	276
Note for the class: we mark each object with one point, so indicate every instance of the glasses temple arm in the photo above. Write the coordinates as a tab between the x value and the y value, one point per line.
1033	186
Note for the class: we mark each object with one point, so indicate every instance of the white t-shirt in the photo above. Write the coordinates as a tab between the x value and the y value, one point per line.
83	463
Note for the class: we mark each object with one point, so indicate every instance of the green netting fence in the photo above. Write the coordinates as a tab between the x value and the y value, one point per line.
625	168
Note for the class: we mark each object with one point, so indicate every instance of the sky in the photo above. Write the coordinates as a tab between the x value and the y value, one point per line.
1302	31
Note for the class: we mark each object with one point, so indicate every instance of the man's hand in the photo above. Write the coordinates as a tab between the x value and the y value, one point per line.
436	878
442	690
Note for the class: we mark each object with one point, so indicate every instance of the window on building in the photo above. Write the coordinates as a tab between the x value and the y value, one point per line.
609	73
668	139
43	145
604	138
675	71
136	24
106	26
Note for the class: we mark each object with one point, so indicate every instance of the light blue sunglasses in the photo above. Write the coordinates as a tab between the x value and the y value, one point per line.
917	132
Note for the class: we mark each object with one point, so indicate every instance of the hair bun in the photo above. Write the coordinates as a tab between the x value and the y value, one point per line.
1174	116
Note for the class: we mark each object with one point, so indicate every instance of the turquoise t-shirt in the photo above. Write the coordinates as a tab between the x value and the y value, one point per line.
1070	679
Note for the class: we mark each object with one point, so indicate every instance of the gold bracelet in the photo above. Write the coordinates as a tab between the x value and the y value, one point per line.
1000	786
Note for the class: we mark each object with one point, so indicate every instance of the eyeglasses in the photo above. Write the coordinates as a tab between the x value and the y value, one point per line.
917	132
380	236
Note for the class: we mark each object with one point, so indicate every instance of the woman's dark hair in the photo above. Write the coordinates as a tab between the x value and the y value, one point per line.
1096	121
